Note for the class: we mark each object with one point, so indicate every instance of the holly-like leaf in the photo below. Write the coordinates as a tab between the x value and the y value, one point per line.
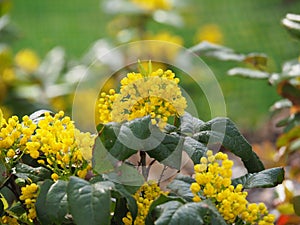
34	173
189	125
89	203
130	202
181	186
223	131
169	151
122	140
159	201
126	175
194	149
102	161
56	202
177	213
263	179
41	209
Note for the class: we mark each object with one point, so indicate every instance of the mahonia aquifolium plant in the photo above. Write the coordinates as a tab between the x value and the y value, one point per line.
53	142
213	181
154	93
144	197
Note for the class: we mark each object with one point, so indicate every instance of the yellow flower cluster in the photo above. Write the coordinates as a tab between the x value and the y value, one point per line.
27	60
9	220
156	94
151	5
29	196
14	135
54	144
213	181
144	197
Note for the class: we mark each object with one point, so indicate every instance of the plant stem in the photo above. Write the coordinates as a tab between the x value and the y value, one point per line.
143	164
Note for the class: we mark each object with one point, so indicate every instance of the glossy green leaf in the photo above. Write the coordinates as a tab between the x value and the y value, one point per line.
263	179
128	196
34	173
56	201
181	186
248	73
102	161
89	203
176	213
189	125
169	151
194	149
223	131
109	138
41	209
126	175
122	140
159	201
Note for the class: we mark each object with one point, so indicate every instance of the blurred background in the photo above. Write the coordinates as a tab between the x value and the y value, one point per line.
245	26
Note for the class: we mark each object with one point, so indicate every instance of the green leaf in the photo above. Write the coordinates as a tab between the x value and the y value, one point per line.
102	161
33	173
194	149
296	204
181	186
130	201
126	175
159	201
263	179
169	151
248	73
122	140
89	203
176	213
56	202
112	143
17	209
189	125
41	209
223	131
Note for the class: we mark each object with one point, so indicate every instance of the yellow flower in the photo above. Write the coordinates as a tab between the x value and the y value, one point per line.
156	94
29	195
151	5
11	153
213	180
146	194
54	176
27	60
210	33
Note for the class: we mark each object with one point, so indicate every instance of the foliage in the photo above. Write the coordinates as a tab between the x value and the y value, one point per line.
54	173
286	83
45	170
